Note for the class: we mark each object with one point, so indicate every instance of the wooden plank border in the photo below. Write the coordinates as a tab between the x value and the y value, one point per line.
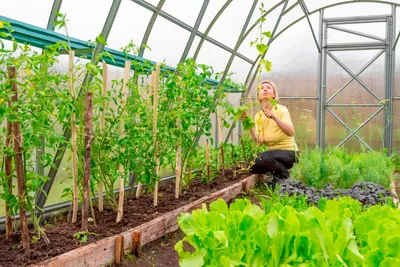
102	252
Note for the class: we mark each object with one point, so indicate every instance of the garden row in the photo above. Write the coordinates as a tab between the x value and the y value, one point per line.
123	132
339	233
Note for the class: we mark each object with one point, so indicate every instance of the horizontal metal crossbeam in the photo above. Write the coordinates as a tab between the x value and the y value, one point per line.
357	20
353	105
355	46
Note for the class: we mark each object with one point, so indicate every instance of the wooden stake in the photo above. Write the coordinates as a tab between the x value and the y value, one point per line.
119	249
74	136
233	158
244	151
155	113
136	244
88	150
221	143
8	174
178	169
208	163
102	123
19	165
189	174
123	134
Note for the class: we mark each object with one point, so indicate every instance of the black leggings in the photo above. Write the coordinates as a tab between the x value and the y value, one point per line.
276	162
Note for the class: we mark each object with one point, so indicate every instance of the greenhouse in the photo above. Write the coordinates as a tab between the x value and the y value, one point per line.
199	133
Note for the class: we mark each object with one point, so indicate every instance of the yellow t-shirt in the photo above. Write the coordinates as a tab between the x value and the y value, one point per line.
274	137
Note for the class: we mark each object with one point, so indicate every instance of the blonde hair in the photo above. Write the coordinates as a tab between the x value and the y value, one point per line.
270	83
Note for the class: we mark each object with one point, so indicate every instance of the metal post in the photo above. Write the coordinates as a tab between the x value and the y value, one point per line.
323	85
319	79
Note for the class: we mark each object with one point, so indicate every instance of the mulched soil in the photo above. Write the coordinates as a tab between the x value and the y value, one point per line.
136	212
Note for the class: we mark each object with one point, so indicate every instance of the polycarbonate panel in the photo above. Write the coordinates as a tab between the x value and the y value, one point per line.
85	18
27	11
396	132
212	10
374	29
269	25
129	25
316	4
239	68
294	63
186	11
192	50
304	117
213	56
227	29
290	17
167	42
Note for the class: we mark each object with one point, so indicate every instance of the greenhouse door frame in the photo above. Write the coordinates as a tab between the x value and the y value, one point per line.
383	46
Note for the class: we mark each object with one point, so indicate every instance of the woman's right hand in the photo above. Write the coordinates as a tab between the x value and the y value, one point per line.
243	116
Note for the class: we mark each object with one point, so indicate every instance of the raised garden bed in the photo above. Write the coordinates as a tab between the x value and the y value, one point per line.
139	215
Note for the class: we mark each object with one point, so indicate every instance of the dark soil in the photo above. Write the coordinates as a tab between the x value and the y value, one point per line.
136	211
159	253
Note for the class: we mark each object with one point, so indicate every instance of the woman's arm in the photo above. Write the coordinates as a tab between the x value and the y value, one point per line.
287	128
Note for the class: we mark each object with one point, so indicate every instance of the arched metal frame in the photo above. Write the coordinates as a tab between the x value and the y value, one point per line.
204	37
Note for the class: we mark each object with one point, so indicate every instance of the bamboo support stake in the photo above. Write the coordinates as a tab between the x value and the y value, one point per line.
178	169
233	158
178	162
221	145
8	174
74	135
139	187
155	113
244	151
19	166
102	124
88	150
208	163
123	134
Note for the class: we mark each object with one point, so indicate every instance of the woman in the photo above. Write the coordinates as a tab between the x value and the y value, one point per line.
273	127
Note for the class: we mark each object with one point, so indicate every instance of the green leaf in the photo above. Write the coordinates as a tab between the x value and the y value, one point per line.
187	259
100	39
390	262
219	206
4	35
393	247
261	48
268	34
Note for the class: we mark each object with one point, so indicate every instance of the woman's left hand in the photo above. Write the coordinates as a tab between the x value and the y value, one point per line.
269	113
